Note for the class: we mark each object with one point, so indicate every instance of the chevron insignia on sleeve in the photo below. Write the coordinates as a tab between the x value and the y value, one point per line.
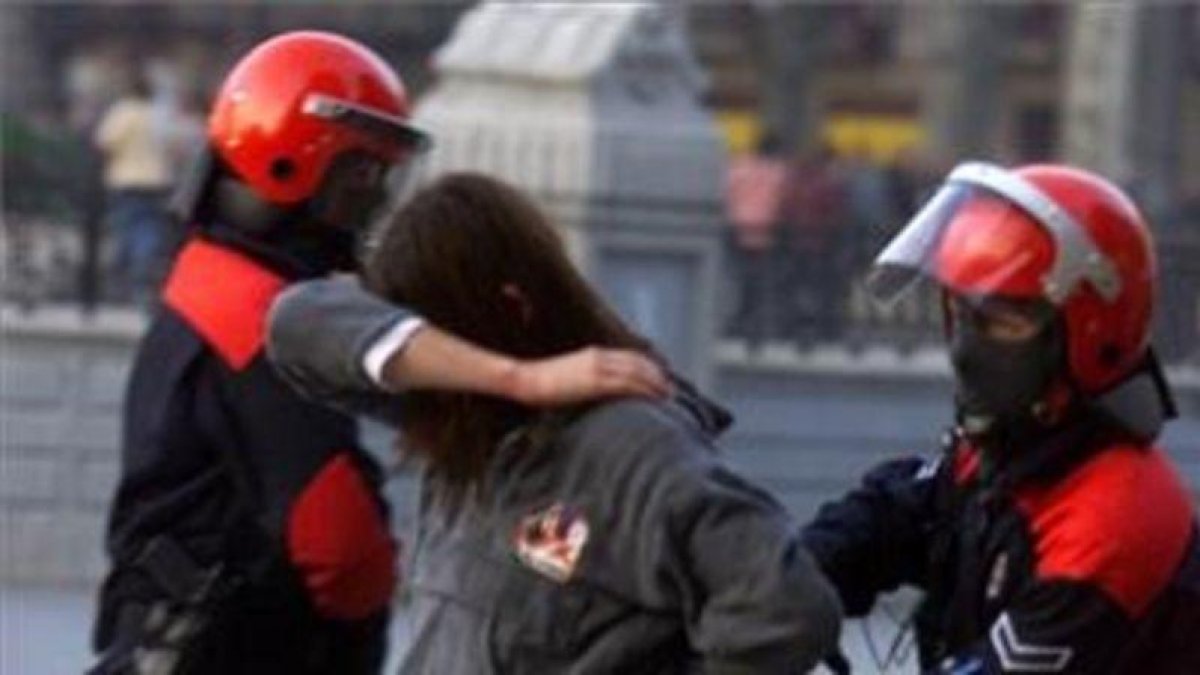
1019	657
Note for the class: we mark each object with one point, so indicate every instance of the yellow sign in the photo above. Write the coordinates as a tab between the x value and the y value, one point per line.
878	137
740	129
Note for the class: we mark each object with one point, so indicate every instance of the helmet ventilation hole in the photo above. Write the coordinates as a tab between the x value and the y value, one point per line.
282	168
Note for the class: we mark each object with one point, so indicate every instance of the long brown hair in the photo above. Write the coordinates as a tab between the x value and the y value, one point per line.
478	258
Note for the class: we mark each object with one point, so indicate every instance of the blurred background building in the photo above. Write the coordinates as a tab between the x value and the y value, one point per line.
857	108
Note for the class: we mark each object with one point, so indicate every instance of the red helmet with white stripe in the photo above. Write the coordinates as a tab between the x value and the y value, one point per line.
1049	232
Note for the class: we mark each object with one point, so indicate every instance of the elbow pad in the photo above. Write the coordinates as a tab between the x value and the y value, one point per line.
338	539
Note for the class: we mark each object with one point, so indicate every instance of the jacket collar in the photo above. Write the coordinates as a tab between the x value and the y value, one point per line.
712	417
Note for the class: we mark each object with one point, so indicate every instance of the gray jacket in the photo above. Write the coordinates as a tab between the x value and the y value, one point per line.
622	544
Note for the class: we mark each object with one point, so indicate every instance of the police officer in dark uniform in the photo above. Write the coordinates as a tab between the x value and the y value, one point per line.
1051	535
247	533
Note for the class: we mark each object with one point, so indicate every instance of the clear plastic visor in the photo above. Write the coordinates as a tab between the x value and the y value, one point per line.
387	128
987	232
913	254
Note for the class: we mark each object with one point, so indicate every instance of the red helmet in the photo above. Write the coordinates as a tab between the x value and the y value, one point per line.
299	100
1049	232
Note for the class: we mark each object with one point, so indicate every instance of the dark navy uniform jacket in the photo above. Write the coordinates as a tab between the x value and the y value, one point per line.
618	543
238	471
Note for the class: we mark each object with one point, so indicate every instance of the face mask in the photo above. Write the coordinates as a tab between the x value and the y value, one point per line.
999	382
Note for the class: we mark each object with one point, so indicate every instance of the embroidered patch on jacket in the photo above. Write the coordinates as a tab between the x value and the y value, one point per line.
551	541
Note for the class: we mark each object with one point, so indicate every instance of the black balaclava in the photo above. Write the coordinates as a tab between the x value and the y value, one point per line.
1002	385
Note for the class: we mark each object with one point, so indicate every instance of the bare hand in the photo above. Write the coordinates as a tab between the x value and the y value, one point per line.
589	374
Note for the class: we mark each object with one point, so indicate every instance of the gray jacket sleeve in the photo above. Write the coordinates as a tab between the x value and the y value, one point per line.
704	540
763	605
766	603
317	335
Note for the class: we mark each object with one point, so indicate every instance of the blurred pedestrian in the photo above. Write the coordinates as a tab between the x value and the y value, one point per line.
754	196
816	218
186	139
185	131
137	178
871	210
1179	237
1190	221
906	182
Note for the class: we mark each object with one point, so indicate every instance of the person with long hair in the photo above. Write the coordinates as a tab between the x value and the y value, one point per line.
601	535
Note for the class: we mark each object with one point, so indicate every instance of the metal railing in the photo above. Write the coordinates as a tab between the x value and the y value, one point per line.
808	300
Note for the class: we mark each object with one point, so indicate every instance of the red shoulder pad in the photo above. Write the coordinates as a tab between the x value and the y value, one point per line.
224	296
1120	522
